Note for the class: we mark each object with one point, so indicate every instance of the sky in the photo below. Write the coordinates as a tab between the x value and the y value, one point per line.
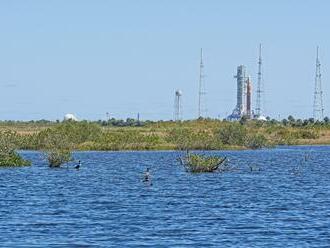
128	57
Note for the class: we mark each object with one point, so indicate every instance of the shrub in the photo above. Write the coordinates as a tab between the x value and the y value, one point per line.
127	140
232	134
8	155
184	139
74	133
198	163
57	147
256	141
180	137
13	159
307	134
58	157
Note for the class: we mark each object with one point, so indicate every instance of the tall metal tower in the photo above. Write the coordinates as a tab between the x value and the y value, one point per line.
318	108
201	90
259	85
178	105
248	98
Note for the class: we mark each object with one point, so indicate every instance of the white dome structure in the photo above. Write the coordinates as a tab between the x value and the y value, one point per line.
70	117
261	118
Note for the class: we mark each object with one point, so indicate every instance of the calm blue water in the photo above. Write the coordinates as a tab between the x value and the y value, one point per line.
105	203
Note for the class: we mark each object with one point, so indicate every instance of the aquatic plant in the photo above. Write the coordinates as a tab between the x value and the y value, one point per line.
57	147
58	157
13	159
200	163
8	154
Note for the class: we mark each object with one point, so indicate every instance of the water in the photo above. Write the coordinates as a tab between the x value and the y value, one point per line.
283	202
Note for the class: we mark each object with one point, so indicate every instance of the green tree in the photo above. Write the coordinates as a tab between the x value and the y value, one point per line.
291	119
285	122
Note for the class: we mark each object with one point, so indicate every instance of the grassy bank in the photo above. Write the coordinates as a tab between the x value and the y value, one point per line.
197	134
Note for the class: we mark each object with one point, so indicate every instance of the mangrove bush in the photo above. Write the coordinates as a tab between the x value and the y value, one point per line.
8	154
196	163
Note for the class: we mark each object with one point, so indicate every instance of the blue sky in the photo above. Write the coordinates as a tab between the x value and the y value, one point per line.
124	57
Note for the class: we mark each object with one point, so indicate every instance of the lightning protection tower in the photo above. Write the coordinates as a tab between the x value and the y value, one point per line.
318	108
201	90
259	86
178	105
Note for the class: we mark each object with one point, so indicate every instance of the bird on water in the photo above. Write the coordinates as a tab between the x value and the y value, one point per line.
147	176
78	165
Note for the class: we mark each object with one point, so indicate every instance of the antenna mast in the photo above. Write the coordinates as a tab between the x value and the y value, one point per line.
259	90
201	91
318	108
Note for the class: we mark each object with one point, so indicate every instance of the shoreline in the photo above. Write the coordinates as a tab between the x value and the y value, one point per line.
204	135
191	150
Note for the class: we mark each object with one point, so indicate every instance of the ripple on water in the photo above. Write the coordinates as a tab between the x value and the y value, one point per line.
286	202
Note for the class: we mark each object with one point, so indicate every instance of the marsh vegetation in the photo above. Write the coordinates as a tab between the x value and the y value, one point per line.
204	134
8	154
197	163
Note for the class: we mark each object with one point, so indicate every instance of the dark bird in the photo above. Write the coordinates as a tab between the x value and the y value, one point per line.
78	165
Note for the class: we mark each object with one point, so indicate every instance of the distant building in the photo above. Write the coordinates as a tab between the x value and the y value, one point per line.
260	118
244	95
70	117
